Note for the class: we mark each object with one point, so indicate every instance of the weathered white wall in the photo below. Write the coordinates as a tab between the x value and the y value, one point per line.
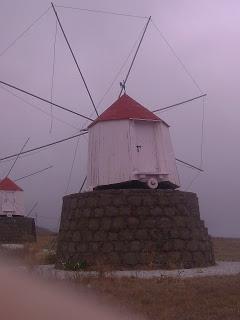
18	198
109	153
113	156
156	155
170	156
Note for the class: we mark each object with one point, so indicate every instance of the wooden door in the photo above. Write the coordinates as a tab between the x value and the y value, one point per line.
145	147
8	204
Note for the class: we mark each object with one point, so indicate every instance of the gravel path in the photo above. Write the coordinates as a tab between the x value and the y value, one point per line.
222	268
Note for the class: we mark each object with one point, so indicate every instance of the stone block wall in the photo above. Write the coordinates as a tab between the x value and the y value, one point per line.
133	229
17	229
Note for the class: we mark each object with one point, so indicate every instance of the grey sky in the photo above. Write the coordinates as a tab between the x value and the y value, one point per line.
205	36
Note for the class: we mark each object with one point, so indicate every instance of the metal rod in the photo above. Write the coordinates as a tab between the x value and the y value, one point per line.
33	207
37	108
74	58
179	103
17	157
43	99
44	146
135	55
189	165
84	181
32	174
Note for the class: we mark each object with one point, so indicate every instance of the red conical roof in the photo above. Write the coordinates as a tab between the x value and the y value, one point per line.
126	108
8	185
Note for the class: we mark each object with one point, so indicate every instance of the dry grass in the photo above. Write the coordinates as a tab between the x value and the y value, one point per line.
42	251
227	249
167	299
32	254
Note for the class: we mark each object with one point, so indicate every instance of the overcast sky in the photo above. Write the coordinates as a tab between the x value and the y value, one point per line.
204	35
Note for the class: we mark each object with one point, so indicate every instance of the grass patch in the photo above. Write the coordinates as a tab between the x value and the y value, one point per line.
43	251
168	298
226	249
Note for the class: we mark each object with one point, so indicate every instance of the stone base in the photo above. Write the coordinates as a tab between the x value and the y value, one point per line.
17	229
133	229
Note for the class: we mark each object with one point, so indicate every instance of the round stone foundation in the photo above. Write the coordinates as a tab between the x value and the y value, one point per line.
17	229
133	229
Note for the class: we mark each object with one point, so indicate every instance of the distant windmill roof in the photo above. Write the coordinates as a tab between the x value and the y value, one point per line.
126	108
8	185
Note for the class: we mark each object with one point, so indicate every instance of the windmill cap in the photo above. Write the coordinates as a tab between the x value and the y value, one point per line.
8	185
126	108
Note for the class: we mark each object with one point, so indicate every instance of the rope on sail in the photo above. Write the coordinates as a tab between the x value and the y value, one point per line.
24	32
53	74
103	12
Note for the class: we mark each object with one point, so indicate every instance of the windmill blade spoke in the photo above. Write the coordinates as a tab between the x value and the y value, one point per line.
84	181
44	146
74	58
33	173
180	103
134	57
43	99
31	210
10	170
189	165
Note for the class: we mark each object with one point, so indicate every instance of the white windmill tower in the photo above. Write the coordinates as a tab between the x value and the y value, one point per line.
128	146
11	198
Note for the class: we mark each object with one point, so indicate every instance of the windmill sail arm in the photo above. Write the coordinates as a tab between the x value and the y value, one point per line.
44	146
74	58
189	165
180	103
134	57
10	170
44	100
33	173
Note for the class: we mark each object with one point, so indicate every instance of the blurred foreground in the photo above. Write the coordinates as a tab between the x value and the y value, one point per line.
24	297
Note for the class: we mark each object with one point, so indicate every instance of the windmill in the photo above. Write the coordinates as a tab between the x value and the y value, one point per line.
16	225
129	147
151	181
11	195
